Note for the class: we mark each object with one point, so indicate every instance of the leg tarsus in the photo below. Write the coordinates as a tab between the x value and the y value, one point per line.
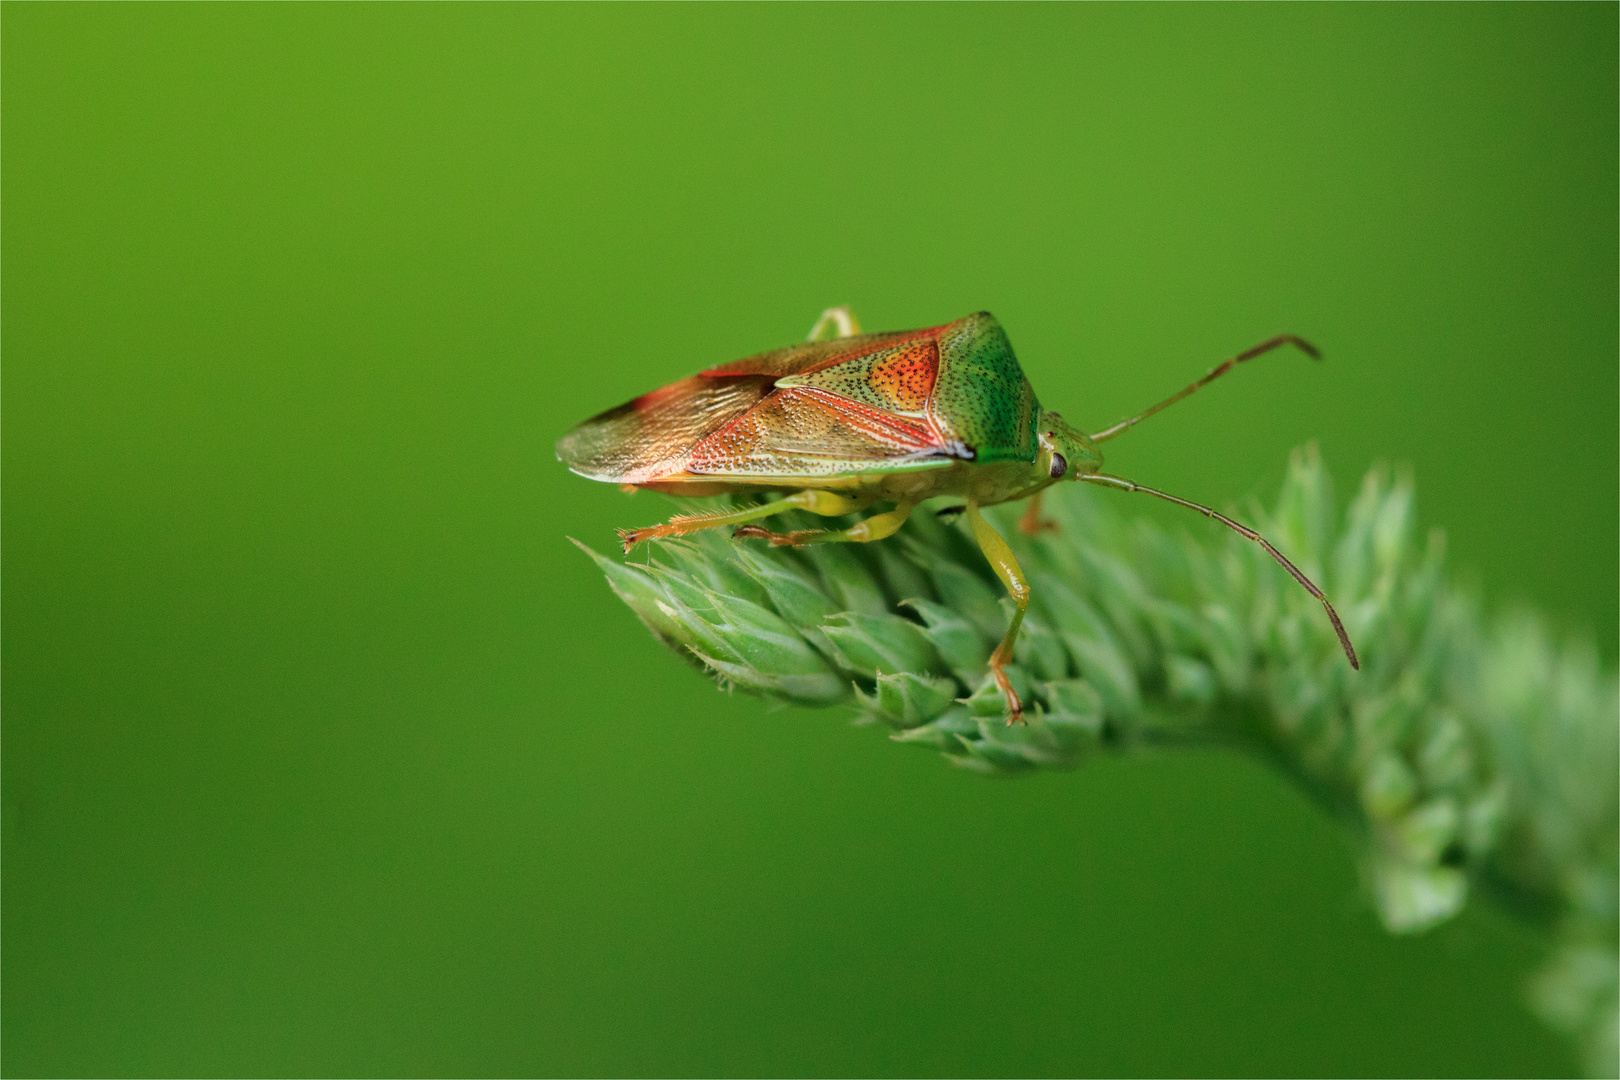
1015	707
796	538
865	531
823	503
1032	524
1007	569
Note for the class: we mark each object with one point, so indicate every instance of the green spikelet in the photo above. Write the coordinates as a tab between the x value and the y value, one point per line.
1471	759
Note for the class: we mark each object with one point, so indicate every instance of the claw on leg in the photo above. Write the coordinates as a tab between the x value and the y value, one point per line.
631	537
825	503
998	660
1007	569
690	523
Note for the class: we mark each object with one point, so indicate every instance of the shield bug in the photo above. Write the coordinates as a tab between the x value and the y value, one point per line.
852	420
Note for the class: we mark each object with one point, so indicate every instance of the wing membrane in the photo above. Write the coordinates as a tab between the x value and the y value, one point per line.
801	431
734	420
652	435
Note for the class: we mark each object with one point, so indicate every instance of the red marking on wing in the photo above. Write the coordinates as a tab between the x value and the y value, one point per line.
652	399
875	422
815	355
798	429
929	335
907	377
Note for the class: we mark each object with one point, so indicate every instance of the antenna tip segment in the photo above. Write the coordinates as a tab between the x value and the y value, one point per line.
1344	638
1304	346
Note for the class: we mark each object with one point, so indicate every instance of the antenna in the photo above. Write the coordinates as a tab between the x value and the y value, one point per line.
1243	530
1214	373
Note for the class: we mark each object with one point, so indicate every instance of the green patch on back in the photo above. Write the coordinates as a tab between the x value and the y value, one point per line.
981	393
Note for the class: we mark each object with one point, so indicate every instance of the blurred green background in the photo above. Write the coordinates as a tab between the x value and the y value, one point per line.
324	752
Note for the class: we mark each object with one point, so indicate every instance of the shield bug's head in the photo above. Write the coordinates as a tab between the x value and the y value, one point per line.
1065	454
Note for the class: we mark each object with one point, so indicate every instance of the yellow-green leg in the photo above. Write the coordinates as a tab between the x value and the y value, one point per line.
1006	567
865	531
825	503
841	319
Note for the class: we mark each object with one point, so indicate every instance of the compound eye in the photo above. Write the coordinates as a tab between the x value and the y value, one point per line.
1060	465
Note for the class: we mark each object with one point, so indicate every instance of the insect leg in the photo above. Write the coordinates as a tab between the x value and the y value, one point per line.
1032	523
1248	534
1214	373
843	321
825	503
1006	567
875	527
